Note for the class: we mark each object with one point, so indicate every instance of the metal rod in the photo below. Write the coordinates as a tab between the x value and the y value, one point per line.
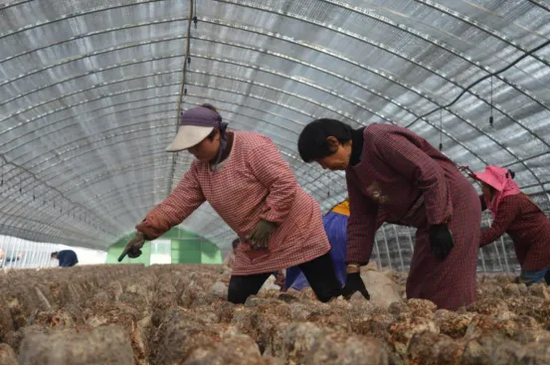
30	250
41	256
505	254
490	222
483	260
377	252
13	245
398	247
186	62
387	247
2	248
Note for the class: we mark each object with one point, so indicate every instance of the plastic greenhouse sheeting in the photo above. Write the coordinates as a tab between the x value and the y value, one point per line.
89	96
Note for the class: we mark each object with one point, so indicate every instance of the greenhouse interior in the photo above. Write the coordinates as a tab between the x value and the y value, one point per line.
275	182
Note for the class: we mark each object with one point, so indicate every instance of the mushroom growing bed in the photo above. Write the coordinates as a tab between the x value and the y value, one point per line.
177	314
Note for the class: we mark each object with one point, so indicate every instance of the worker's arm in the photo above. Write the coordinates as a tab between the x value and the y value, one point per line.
507	211
274	173
181	203
397	150
362	223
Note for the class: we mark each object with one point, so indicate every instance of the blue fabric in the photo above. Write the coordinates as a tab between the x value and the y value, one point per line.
67	258
531	277
335	226
295	279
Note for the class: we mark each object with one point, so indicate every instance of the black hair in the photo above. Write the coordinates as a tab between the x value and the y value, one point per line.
512	174
236	243
216	130
312	143
212	134
54	253
209	106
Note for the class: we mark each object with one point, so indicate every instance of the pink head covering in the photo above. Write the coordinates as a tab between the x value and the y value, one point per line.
501	180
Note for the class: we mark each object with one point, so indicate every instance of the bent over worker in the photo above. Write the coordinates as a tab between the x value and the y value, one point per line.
246	181
392	169
515	214
66	258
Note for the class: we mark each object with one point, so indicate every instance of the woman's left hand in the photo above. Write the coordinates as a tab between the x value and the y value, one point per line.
259	239
441	240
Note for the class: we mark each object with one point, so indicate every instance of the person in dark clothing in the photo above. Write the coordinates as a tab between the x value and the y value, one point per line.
515	214
391	169
66	258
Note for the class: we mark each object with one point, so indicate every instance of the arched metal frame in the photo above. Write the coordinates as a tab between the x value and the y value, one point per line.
89	109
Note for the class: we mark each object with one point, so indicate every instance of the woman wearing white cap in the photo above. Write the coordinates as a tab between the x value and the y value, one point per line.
246	181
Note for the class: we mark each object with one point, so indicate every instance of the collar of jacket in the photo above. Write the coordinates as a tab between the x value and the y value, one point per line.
357	146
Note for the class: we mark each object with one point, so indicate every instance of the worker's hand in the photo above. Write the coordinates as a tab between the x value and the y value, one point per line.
259	239
441	240
354	283
133	248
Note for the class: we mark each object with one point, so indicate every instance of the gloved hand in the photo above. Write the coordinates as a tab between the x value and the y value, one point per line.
259	239
441	240
354	283
133	248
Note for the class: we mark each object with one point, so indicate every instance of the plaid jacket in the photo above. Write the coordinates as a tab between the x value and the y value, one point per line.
528	227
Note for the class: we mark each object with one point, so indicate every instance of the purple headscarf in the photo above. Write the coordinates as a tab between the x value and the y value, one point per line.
205	117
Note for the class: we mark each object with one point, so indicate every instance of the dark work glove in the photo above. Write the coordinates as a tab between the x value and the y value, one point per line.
354	283
441	240
133	248
259	239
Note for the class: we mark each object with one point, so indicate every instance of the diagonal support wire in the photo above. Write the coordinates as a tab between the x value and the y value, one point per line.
186	62
60	194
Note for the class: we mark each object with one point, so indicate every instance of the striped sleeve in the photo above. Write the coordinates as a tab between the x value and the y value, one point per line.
507	211
362	223
181	203
274	173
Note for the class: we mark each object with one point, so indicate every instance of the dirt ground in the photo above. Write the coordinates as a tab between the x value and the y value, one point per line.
178	314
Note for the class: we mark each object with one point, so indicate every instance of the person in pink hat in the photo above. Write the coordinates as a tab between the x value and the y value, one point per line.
246	181
515	214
